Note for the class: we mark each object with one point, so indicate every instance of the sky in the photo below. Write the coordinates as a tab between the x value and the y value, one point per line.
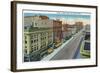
66	18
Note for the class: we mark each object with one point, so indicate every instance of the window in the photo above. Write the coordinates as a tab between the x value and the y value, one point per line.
41	46
87	46
35	48
25	27
25	42
32	47
31	41
25	50
25	46
34	41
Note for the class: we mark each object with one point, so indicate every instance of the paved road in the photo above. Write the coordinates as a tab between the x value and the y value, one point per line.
68	50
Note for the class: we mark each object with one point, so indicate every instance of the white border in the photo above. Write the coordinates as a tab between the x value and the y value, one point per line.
49	64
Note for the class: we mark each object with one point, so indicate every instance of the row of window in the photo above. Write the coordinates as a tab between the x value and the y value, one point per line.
35	41
36	24
35	36
34	48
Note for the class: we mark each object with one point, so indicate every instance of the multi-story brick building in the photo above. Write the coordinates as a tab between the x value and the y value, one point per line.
71	29
57	33
78	25
64	31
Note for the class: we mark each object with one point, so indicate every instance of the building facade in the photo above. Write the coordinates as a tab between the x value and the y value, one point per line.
78	25
38	37
57	33
86	44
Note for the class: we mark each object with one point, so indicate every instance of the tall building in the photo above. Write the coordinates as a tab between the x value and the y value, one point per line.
65	31
78	25
57	33
38	37
85	46
70	29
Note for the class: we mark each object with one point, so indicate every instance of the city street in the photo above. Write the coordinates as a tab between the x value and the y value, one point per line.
67	50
